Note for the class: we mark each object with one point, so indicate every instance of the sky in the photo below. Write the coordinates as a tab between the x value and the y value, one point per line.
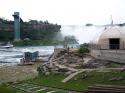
66	12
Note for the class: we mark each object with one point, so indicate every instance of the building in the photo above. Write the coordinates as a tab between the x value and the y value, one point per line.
109	44
111	38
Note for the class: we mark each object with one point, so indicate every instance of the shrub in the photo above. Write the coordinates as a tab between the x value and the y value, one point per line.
83	49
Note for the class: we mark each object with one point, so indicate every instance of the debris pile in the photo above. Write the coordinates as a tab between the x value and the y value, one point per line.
67	62
95	63
61	62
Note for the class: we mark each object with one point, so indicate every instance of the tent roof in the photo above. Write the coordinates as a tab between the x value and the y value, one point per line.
110	32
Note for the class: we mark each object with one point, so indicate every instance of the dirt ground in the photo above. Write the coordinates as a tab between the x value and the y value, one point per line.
17	73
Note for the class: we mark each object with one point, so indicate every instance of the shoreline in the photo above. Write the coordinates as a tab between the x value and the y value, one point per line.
17	73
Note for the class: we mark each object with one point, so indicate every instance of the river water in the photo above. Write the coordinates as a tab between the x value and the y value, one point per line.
13	55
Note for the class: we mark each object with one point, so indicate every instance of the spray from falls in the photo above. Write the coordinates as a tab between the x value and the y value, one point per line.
84	34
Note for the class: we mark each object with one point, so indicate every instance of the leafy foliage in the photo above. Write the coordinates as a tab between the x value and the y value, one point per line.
36	42
6	35
69	40
83	49
34	30
89	24
122	24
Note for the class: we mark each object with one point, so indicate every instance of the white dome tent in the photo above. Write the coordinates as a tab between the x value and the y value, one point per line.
111	38
110	45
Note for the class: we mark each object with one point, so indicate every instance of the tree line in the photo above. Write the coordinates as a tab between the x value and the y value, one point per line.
32	30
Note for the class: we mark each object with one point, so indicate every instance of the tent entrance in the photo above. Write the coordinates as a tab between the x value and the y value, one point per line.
114	43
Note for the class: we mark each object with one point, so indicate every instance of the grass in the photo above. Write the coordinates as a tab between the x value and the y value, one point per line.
36	43
78	83
50	80
4	88
115	65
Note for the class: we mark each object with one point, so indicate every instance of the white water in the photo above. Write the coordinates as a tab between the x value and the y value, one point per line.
13	55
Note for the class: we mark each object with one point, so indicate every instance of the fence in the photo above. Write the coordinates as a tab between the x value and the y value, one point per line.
106	46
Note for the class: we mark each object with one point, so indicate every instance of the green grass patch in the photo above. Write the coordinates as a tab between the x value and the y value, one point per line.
4	88
91	78
60	92
49	79
46	90
115	65
36	43
81	81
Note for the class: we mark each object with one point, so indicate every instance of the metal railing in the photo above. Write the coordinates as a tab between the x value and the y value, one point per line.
106	46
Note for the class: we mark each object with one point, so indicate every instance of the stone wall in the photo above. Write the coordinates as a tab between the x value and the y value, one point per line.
111	55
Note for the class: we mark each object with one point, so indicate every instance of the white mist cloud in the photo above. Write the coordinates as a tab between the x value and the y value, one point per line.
82	33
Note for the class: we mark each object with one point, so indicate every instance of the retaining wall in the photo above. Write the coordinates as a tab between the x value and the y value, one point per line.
111	55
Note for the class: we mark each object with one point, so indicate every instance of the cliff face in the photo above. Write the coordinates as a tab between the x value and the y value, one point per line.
33	29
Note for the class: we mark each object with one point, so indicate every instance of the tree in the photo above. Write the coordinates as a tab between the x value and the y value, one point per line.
69	40
123	24
83	49
89	24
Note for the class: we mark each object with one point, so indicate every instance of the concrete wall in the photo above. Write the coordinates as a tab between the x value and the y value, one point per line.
111	55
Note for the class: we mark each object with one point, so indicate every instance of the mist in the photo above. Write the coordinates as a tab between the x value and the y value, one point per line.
82	33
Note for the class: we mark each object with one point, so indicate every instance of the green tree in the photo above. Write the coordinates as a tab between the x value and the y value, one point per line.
83	49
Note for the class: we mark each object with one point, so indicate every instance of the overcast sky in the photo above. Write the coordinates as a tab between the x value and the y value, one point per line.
66	12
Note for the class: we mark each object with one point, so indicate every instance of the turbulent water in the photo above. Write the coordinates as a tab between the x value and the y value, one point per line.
13	55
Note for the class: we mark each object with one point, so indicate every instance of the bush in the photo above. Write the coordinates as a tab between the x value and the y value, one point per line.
83	49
